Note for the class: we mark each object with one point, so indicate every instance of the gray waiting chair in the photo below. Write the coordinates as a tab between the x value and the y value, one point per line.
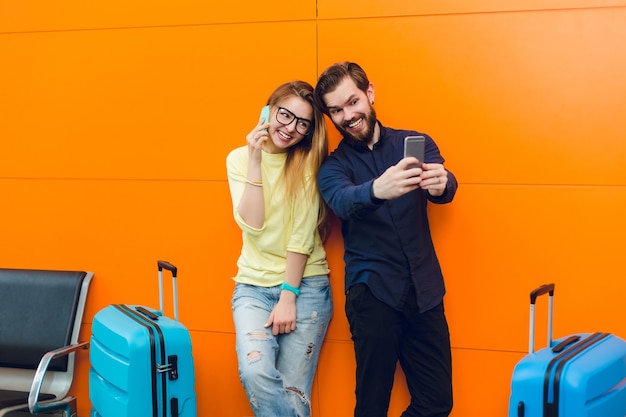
40	318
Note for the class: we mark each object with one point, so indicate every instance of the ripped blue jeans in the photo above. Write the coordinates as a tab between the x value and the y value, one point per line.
277	371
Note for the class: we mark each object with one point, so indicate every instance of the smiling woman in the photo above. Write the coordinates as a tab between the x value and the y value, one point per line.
282	304
283	133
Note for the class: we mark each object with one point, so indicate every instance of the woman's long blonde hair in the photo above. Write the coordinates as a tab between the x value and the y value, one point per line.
307	155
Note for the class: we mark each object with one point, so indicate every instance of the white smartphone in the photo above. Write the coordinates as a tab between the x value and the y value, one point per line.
414	146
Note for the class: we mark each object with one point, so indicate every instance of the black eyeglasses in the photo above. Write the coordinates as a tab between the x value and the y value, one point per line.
285	118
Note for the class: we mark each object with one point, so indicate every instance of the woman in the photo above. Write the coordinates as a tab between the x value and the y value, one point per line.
282	303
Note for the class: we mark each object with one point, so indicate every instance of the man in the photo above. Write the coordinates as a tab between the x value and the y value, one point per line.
393	282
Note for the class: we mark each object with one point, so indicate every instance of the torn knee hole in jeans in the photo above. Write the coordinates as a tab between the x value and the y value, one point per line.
309	350
254	356
299	393
258	335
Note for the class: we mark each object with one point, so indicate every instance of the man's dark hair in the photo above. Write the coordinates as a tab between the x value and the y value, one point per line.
333	75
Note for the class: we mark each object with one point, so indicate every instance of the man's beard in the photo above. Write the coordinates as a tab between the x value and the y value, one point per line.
363	138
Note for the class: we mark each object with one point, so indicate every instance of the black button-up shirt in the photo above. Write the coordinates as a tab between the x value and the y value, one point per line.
387	243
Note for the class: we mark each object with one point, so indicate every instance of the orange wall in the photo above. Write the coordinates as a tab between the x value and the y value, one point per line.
116	118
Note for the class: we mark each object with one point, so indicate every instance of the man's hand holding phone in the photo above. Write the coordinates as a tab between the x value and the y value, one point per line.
434	176
397	180
434	179
411	173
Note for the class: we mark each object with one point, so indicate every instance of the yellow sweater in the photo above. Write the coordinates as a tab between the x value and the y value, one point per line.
288	226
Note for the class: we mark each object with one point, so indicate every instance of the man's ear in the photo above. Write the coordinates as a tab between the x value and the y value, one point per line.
370	93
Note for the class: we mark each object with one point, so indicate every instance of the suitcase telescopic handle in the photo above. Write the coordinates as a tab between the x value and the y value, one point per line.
544	289
166	265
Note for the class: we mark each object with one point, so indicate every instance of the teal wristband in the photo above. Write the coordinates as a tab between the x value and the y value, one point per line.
285	286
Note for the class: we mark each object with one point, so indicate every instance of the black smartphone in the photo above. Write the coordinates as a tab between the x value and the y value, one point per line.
414	146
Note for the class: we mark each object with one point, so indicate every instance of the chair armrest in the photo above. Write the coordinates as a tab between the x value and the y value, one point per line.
35	389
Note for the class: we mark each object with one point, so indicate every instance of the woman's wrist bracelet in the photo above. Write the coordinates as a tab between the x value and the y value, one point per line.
255	183
287	287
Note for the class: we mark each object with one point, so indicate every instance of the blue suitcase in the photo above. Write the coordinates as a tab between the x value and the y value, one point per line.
141	361
582	375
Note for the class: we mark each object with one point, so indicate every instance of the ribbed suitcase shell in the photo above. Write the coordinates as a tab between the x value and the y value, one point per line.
141	361
582	375
587	379
128	376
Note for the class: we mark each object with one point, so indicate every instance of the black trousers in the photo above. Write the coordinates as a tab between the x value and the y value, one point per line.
383	336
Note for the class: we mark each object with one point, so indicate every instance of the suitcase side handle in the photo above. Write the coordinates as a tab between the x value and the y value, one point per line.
147	313
542	290
561	346
166	265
